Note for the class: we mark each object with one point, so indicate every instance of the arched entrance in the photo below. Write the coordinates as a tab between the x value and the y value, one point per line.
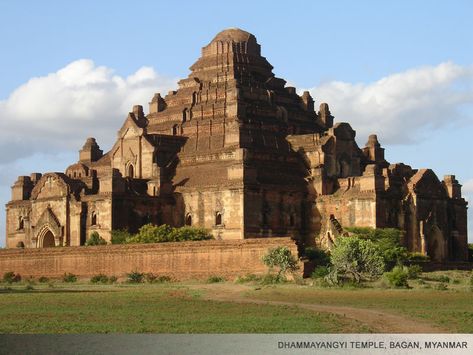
48	240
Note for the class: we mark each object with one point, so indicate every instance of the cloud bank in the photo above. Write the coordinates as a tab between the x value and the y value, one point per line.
60	110
403	107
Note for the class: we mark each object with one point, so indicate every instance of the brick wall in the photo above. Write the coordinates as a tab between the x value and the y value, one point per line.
186	260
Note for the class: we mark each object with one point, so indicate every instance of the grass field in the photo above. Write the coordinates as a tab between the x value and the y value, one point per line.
150	309
192	307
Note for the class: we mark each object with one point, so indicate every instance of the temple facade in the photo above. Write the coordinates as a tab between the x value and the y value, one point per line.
238	152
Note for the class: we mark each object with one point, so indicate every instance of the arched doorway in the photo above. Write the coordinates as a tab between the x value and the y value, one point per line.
131	171
48	240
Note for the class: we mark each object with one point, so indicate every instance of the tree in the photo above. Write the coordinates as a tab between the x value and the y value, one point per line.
150	233
282	258
95	239
387	240
356	258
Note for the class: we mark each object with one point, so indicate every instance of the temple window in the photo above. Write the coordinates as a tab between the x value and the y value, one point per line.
218	219
188	219
174	130
131	171
21	224
93	219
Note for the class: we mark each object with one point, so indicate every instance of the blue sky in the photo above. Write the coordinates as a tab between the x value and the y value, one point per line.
401	69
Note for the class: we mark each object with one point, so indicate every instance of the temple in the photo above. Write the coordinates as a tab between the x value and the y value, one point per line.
238	152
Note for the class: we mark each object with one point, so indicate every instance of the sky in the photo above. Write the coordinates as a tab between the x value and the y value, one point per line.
400	69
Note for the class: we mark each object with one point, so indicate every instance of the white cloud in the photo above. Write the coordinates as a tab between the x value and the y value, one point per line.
403	106
60	110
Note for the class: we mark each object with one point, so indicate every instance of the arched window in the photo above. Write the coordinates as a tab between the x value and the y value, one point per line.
75	174
188	219
184	115
131	171
21	224
93	219
174	130
218	219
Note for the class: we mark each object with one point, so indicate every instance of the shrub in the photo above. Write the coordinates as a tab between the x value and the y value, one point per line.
414	271
163	278
215	279
69	277
443	278
388	242
150	233
248	278
441	286
318	256
397	277
112	279
100	278
119	236
357	259
135	277
270	279
320	272
150	277
10	277
282	258
29	287
43	279
95	239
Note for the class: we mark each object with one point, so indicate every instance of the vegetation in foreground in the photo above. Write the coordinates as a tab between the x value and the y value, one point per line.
145	308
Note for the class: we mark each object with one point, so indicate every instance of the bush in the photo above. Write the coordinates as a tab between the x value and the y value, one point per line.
135	277
414	271
112	279
119	236
397	277
150	277
248	278
215	279
443	278
43	279
69	277
318	256
441	287
163	278
320	272
95	239
10	277
282	258
29	287
357	259
271	279
150	233
388	242
100	278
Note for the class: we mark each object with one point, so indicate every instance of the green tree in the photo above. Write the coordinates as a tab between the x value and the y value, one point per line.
357	259
282	258
150	233
95	239
119	236
387	240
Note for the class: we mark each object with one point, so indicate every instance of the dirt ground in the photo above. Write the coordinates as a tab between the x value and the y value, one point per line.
378	321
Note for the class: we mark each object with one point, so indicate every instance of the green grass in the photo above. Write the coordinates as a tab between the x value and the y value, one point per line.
451	309
149	309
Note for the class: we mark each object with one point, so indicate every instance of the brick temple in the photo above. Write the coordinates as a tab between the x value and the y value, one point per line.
238	152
